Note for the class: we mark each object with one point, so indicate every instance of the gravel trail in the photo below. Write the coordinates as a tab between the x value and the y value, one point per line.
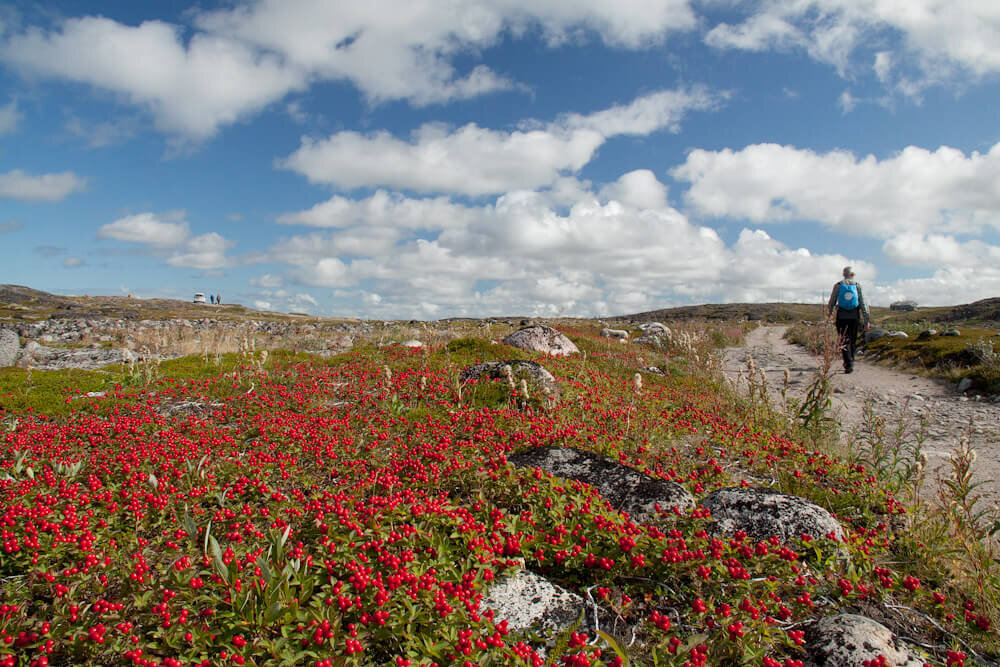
895	395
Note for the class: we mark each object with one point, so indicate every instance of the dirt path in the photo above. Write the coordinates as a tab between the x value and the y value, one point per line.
899	397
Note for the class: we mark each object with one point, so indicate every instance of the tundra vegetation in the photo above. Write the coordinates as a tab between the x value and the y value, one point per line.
276	507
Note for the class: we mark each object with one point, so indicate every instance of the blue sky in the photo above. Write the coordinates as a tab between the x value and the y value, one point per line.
486	157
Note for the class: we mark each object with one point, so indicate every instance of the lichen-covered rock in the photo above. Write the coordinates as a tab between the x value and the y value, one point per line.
625	488
926	334
411	343
10	347
540	338
849	640
654	327
875	334
614	333
526	600
951	332
762	513
537	376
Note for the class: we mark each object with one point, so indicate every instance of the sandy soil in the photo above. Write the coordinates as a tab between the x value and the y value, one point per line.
901	398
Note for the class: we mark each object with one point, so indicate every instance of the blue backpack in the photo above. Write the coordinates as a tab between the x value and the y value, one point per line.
848	297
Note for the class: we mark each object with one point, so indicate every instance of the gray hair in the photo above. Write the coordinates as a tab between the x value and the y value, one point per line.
848	272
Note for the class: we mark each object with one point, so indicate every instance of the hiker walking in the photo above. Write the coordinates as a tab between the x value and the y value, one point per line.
851	312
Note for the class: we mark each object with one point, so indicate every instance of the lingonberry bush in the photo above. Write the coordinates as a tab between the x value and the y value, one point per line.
355	512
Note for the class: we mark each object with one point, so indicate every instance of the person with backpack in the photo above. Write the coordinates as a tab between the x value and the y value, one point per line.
851	312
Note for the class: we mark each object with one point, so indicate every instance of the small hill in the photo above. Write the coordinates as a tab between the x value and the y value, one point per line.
765	312
24	303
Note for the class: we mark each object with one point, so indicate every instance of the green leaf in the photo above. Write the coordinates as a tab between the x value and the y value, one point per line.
265	570
273	613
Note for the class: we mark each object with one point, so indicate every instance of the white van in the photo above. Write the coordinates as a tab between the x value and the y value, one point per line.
199	297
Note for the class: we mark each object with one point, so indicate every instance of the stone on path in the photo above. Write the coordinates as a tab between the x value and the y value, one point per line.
625	488
540	338
762	513
849	640
10	347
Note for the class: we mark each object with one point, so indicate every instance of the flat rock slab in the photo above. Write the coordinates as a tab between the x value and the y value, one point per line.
526	600
763	513
627	489
848	640
540	338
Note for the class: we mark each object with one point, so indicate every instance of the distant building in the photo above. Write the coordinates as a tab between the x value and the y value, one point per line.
199	298
903	305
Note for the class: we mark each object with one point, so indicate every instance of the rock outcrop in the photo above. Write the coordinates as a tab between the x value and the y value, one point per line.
537	377
540	338
849	640
625	488
763	513
10	347
526	600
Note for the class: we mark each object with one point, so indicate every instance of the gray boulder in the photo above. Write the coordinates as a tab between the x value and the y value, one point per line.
849	640
614	333
875	334
898	334
964	385
540	338
951	332
526	600
653	327
625	488
762	513
411	343
10	346
534	373
926	334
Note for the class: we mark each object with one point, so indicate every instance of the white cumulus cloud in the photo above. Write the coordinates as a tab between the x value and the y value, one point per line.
621	249
190	88
206	251
16	184
916	190
10	117
234	62
476	161
167	230
939	38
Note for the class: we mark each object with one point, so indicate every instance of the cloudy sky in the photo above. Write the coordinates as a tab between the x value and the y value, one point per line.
434	158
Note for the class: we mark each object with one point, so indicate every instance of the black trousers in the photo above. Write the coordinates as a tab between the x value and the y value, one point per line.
847	332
